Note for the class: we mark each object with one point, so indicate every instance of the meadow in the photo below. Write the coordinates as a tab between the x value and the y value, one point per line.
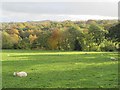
56	69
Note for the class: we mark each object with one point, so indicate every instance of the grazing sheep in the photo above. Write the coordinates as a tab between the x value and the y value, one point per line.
20	74
113	58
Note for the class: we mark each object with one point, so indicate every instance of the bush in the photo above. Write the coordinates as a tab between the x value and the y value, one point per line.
108	46
94	47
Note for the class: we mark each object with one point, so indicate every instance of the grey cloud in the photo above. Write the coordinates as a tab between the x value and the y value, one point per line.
68	8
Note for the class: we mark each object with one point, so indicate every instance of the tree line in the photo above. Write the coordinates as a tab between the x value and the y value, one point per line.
91	35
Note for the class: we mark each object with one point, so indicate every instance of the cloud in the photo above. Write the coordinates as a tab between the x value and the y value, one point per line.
19	17
26	11
59	0
81	8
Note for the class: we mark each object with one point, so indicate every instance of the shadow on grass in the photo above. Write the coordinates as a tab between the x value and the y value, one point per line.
26	61
65	58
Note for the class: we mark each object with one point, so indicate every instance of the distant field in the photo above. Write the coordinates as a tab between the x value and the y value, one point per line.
53	69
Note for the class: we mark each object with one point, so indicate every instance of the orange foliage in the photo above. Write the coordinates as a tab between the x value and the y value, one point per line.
54	39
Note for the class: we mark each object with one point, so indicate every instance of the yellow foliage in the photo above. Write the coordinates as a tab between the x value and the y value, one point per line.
14	38
32	38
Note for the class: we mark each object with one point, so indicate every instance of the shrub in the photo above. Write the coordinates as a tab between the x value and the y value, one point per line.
94	47
107	46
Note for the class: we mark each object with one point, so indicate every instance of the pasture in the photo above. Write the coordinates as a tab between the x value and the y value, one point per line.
54	69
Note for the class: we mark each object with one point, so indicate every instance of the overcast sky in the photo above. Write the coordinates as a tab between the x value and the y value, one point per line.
57	11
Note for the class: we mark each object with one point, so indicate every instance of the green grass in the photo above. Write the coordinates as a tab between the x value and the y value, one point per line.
52	69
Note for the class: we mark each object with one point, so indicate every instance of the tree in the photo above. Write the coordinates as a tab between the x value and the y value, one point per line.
32	38
24	44
77	45
0	39
54	39
114	33
91	35
97	32
6	41
13	31
42	40
75	37
15	39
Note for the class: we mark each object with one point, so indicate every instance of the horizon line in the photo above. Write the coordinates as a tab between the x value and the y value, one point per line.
54	20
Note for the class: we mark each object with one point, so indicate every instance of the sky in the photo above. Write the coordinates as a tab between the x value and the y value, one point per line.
58	11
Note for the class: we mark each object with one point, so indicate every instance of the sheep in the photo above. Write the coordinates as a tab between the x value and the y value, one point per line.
113	58
20	74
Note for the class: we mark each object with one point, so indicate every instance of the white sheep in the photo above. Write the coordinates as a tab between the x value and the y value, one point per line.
20	74
113	58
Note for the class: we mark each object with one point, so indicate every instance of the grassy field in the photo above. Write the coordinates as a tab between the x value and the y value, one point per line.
52	69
